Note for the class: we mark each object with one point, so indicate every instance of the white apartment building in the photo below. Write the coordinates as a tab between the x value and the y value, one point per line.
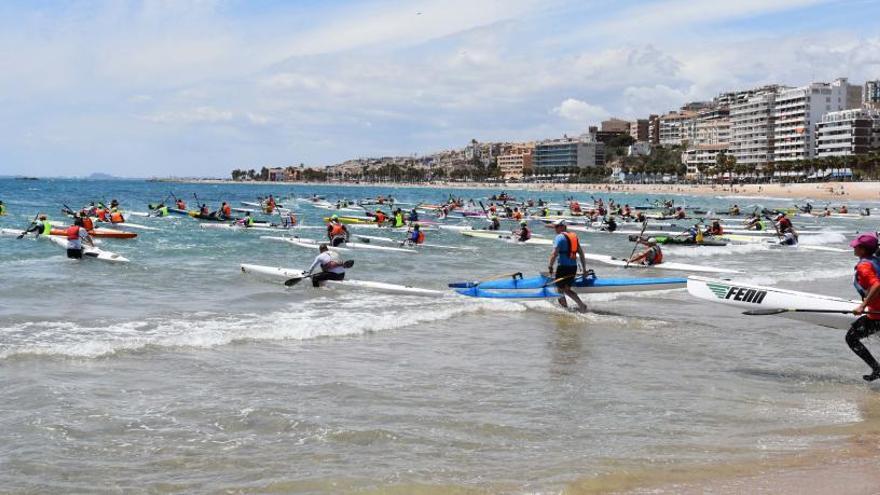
796	111
676	127
700	158
848	132
712	132
751	127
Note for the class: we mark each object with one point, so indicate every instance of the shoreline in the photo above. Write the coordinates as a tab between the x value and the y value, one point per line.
837	193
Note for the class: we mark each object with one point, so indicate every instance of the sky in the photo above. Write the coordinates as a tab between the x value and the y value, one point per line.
197	88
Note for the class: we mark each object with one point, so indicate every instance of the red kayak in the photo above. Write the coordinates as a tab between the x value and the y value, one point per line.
101	233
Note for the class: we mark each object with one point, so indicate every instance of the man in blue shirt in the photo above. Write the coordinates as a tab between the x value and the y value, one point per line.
566	250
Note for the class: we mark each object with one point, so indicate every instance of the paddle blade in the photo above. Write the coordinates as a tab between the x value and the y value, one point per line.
348	264
293	281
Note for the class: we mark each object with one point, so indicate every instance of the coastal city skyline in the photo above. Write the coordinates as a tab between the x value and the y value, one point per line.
212	93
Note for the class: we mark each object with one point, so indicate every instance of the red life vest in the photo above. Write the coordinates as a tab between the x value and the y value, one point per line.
73	232
420	238
227	211
573	244
380	217
102	214
658	255
336	229
88	224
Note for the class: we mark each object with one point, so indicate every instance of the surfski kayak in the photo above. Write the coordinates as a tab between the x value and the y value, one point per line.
666	265
99	232
506	238
92	252
314	244
368	238
750	297
282	274
583	285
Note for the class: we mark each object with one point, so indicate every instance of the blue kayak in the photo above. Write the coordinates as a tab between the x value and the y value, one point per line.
581	285
489	294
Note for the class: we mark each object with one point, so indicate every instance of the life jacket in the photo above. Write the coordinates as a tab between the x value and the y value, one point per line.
116	217
73	232
517	215
102	214
573	244
227	211
398	220
336	229
204	211
420	237
525	234
163	211
88	224
658	255
875	263
248	221
380	217
698	238
575	207
2	210
47	227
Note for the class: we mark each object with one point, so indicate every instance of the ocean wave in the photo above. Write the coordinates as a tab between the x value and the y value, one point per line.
798	276
293	322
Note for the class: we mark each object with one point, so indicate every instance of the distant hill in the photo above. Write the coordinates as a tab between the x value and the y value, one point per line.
100	176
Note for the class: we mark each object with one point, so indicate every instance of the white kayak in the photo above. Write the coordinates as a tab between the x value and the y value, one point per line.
506	238
666	265
283	274
241	228
315	244
754	297
368	238
130	225
91	251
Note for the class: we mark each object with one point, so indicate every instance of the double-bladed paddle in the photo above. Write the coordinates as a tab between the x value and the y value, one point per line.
293	281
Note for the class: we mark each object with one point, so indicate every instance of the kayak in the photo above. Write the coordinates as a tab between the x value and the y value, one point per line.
353	220
100	233
588	285
92	252
283	274
241	228
506	238
666	265
368	238
314	243
681	240
810	247
127	224
747	296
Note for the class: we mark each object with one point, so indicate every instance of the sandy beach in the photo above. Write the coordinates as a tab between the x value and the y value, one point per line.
836	193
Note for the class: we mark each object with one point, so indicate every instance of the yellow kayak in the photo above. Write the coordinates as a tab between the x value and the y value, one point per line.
352	220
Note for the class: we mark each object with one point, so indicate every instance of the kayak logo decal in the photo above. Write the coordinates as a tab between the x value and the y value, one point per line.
743	294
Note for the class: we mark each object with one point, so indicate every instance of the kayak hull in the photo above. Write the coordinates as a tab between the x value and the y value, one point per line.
589	285
100	233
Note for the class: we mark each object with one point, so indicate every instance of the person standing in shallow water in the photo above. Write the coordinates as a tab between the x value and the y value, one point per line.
867	283
566	251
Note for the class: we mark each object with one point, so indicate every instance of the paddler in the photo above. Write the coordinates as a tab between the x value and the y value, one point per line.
87	221
755	222
161	210
337	232
289	220
270	205
734	210
331	266
180	204
102	212
494	224
204	211
715	228
414	215
415	236
398	218
867	283
225	211
380	216
42	227
114	204
246	221
609	224
680	214
2	209
116	216
641	218
76	235
566	251
843	209
524	233
651	256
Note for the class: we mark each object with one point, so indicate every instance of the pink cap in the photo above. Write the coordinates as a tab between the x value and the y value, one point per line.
865	240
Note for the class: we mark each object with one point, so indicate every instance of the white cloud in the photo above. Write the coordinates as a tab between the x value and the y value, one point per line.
580	111
200	115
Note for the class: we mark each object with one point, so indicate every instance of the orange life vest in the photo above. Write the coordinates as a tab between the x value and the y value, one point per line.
116	217
102	214
88	224
336	229
658	255
73	232
573	244
420	238
380	218
227	211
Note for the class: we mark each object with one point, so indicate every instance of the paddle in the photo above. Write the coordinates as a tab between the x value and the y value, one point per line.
636	245
293	281
770	312
514	276
29	226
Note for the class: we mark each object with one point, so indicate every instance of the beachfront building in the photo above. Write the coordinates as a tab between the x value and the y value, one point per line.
796	111
751	127
675	127
699	159
848	132
638	130
567	155
871	95
516	163
654	129
616	126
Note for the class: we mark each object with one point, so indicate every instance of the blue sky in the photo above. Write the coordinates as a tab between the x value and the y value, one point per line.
170	87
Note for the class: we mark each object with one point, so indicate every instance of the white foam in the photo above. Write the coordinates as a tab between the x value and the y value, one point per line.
799	276
294	322
713	251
